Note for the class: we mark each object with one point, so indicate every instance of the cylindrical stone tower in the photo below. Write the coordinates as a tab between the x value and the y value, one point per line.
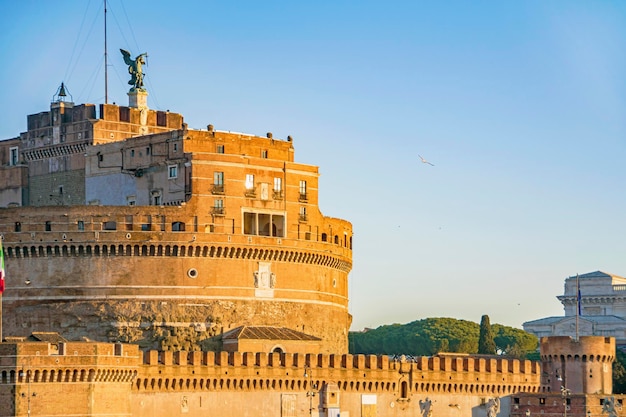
583	365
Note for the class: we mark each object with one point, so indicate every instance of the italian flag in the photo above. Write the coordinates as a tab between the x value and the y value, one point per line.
1	269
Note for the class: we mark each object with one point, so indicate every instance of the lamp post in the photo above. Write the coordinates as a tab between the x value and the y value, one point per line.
310	387
34	394
565	395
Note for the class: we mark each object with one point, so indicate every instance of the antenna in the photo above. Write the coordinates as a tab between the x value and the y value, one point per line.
106	67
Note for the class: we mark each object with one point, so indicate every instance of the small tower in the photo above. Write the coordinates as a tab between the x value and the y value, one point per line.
582	366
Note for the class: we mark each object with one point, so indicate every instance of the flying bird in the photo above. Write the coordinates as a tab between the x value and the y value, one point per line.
425	161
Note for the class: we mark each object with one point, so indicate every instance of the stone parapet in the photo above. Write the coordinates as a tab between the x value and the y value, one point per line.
161	371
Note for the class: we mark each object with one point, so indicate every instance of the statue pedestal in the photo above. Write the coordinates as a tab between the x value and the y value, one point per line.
138	98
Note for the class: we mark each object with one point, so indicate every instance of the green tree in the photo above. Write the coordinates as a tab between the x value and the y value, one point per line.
486	343
429	336
419	338
508	338
619	373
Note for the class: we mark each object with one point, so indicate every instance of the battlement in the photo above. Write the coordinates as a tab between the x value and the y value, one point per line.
220	145
585	348
366	373
37	362
124	379
439	363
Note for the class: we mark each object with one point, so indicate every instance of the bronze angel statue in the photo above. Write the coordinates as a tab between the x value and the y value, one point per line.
134	68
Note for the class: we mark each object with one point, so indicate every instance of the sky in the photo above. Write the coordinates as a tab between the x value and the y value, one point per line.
519	106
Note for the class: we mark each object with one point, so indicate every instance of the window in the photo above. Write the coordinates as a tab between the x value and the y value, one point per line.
178	227
218	206
81	225
132	153
249	181
172	171
13	155
218	178
220	148
264	224
303	190
129	223
250	185
147	226
148	150
48	226
110	225
278	188
218	183
303	214
176	147
156	198
264	153
18	226
100	157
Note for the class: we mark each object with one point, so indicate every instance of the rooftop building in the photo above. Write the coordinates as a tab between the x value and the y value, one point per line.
594	305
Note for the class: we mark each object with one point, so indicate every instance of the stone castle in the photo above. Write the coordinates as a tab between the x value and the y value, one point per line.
123	225
153	269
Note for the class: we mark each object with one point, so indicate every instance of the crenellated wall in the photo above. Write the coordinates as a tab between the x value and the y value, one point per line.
80	375
368	373
196	382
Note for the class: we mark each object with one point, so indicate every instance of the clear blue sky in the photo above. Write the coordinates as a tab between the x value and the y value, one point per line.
519	105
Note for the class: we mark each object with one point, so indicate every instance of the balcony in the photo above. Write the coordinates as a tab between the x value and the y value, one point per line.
217	189
217	211
303	198
303	218
250	193
278	195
